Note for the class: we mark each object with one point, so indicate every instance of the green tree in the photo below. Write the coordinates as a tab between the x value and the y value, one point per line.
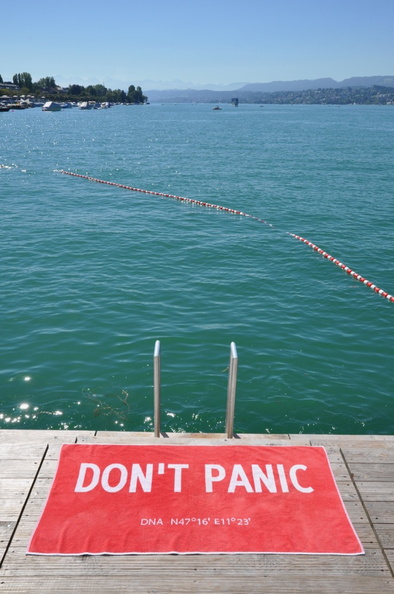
75	89
101	90
131	94
23	80
47	83
116	96
1	79
91	90
135	95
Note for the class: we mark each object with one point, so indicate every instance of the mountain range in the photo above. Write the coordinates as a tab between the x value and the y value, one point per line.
320	83
208	94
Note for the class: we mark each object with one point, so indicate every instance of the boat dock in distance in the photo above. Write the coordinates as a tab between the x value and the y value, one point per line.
364	471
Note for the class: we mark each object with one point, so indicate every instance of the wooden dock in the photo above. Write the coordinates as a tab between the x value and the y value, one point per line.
364	470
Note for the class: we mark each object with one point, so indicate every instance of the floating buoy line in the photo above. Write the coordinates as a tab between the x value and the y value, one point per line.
338	263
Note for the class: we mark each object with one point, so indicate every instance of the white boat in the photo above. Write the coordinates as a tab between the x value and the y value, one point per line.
51	106
85	105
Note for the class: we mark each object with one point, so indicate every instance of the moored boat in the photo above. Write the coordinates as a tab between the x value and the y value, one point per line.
51	106
85	105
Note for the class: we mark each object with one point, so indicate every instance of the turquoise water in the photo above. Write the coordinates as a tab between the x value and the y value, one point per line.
93	275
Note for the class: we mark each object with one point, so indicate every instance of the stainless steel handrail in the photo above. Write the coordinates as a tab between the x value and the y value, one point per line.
231	390
156	389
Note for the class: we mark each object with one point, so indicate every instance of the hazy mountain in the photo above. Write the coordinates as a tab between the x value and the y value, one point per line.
293	85
210	93
320	83
368	81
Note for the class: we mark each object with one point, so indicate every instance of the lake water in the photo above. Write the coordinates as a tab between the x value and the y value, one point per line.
92	275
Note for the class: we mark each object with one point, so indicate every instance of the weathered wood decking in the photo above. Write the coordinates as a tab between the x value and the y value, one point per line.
364	470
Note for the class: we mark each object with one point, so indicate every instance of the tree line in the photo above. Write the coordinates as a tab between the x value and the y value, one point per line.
48	87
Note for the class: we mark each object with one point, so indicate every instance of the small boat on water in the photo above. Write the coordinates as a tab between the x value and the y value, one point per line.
51	106
217	108
85	105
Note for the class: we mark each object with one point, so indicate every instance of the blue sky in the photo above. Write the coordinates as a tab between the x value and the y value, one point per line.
157	43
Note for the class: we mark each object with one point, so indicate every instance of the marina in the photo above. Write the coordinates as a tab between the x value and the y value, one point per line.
363	466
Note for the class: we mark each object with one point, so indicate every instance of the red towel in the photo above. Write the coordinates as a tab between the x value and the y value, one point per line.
129	499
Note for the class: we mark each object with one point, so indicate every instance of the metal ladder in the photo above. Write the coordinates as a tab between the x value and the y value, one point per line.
231	389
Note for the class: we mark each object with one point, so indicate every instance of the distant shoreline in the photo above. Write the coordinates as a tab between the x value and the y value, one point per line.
375	95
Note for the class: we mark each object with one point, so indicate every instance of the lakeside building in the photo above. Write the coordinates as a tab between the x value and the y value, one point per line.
9	86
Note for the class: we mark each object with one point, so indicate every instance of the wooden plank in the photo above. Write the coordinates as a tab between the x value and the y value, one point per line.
380	512
10	507
32	436
18	451
6	530
48	468
372	472
195	583
348	491
363	440
8	487
13	469
255	437
367	535
17	477
376	491
18	563
390	557
181	439
385	534
356	512
381	453
21	455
